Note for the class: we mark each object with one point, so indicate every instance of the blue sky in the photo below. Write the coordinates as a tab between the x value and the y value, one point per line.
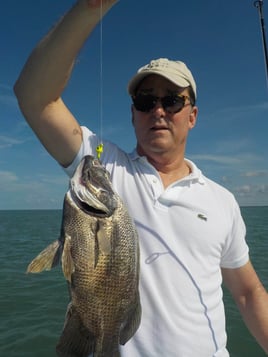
221	42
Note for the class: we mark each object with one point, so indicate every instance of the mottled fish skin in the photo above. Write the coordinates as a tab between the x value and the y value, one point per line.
99	252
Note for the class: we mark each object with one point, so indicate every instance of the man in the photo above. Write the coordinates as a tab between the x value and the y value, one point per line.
191	232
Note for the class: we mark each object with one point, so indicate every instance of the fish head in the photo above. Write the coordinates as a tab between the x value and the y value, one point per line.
91	188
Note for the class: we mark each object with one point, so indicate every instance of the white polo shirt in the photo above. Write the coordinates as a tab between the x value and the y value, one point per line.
187	232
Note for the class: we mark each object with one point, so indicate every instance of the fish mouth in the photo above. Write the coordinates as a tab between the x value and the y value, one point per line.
87	202
89	196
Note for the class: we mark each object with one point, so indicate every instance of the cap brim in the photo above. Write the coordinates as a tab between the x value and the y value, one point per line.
134	82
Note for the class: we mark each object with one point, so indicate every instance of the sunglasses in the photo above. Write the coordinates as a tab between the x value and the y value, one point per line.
171	103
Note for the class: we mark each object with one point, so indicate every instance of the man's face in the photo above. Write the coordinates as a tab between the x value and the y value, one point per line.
160	131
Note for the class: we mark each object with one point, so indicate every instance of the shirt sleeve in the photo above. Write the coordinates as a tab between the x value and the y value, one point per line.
236	251
109	158
88	146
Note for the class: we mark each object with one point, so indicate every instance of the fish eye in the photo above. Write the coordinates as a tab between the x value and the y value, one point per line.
96	162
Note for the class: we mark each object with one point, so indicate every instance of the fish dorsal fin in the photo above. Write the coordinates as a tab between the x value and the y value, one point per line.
67	259
104	237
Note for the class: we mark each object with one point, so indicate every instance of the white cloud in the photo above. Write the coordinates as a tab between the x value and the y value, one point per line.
7	97
225	179
9	181
54	180
9	100
252	192
6	177
221	159
243	190
238	112
238	163
255	174
31	192
262	188
5	87
7	142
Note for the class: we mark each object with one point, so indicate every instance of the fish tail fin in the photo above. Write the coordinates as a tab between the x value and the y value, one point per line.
75	340
47	259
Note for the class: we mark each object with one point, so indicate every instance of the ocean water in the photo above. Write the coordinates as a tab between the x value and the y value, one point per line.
32	306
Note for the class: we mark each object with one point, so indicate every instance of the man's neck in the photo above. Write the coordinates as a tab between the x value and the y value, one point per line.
170	171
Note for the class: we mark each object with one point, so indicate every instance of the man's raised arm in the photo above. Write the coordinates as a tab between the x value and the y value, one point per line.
46	73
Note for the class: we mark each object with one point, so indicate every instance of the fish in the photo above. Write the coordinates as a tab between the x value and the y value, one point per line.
98	249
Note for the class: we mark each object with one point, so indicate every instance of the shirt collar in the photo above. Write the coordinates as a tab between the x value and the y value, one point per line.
196	173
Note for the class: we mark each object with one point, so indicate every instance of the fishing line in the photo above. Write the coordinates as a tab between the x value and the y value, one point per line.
259	4
99	148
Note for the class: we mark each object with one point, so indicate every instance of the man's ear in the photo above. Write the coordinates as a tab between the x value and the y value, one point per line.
193	117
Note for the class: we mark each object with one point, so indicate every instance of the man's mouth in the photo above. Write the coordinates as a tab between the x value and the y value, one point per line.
156	128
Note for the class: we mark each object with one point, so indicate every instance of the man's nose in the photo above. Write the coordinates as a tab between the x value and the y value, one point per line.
159	109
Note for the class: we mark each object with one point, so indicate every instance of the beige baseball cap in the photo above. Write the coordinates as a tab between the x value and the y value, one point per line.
175	71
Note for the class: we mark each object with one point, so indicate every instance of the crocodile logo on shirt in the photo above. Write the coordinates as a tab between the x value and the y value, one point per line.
202	216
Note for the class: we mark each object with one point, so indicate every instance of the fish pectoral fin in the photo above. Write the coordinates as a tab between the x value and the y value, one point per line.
103	236
75	339
67	259
131	324
47	259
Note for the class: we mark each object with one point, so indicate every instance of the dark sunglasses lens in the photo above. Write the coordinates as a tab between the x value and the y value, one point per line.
173	103
144	103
